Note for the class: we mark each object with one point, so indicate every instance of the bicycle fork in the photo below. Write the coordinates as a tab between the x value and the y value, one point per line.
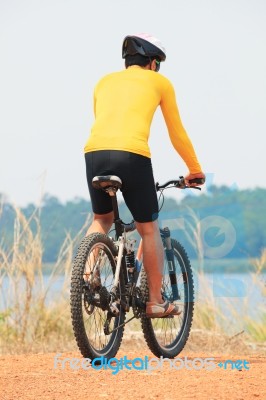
165	235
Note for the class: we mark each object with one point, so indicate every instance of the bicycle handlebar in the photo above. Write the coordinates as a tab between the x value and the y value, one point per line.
180	184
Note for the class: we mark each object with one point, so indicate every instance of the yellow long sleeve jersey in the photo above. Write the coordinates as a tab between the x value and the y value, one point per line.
124	105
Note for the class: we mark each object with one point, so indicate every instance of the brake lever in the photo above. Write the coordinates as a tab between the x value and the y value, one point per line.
178	186
194	187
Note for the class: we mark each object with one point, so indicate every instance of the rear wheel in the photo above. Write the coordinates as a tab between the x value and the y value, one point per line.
91	282
167	337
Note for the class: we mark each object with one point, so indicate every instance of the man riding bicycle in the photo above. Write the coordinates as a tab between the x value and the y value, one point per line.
124	105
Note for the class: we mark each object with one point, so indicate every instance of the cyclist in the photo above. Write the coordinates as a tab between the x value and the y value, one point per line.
124	105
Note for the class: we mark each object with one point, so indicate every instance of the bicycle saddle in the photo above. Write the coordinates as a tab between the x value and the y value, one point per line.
106	181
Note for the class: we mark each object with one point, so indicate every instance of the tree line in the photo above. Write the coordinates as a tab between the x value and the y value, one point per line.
222	222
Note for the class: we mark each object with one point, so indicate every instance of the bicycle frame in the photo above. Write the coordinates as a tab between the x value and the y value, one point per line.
123	244
121	230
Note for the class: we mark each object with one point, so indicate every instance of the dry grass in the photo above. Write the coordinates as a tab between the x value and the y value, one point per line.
31	323
228	315
257	330
239	321
28	322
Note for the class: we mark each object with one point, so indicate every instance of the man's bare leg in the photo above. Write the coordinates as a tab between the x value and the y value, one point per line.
153	258
101	224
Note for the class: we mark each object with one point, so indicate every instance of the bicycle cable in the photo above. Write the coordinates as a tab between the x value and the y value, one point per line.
161	195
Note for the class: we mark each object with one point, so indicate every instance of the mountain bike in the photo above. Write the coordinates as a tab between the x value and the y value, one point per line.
109	282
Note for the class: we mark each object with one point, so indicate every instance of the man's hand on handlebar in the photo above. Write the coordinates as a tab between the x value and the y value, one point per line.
192	181
195	179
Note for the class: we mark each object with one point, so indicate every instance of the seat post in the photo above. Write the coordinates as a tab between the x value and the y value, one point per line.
115	206
117	220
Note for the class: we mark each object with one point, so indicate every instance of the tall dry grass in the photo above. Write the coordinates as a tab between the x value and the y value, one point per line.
230	320
234	321
29	321
258	282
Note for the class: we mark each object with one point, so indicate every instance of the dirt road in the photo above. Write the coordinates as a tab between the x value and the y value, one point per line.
34	376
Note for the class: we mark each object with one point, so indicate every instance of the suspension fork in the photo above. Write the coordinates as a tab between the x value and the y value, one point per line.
169	251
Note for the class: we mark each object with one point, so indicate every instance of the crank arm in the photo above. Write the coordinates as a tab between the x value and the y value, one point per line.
120	326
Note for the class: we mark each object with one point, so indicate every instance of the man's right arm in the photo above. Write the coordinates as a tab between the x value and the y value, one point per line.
177	133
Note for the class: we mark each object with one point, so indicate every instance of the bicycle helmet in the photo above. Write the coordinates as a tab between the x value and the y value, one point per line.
143	44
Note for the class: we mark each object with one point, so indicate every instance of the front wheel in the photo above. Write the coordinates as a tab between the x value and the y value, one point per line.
97	330
167	336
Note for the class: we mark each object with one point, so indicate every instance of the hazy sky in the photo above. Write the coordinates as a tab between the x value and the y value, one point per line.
52	53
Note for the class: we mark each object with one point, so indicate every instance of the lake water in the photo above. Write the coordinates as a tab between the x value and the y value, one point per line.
235	294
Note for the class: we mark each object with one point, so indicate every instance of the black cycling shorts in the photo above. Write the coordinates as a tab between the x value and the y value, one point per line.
138	187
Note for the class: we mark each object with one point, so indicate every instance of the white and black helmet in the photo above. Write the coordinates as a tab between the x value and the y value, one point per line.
143	44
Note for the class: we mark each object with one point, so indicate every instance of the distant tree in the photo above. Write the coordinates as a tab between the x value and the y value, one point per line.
245	209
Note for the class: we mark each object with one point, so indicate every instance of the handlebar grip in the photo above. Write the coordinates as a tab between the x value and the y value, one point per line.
198	181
